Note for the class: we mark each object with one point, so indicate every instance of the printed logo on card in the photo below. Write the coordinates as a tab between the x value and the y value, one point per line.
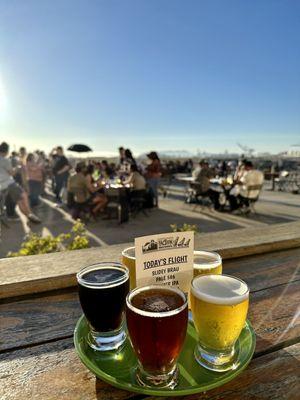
165	243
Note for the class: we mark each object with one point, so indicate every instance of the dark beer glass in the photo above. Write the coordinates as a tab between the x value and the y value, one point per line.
157	318
103	289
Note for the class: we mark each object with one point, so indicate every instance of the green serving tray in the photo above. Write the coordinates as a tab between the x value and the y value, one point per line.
118	368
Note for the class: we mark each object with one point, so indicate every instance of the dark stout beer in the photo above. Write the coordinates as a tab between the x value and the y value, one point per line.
157	319
102	293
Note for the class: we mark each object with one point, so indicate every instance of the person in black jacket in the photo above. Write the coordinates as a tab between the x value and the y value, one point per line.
60	169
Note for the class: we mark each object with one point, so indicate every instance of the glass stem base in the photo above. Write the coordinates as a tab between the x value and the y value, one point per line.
106	341
167	380
216	360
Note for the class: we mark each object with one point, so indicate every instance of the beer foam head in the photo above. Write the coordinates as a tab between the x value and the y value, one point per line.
158	306
206	259
102	275
220	289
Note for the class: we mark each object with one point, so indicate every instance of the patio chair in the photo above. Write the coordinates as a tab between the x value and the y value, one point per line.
117	206
78	210
138	202
197	196
248	201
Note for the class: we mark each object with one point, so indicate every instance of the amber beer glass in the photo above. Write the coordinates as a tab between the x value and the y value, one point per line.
219	306
103	288
128	259
206	263
157	319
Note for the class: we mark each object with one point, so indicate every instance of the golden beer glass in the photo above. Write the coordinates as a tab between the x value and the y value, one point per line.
219	307
207	262
128	259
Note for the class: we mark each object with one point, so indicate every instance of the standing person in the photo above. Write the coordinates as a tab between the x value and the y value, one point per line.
14	159
20	169
23	154
34	172
42	160
224	168
127	162
7	183
121	155
129	158
153	175
190	165
60	170
123	165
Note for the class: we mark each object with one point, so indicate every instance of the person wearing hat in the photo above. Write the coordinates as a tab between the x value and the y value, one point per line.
153	175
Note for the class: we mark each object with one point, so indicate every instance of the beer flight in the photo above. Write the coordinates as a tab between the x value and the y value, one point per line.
155	317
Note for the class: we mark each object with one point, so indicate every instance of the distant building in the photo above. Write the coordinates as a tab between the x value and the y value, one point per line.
293	152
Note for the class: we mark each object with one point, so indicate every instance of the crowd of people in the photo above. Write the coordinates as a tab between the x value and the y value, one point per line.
23	178
13	184
242	185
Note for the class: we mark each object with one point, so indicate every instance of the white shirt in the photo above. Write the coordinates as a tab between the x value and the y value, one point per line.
251	178
196	171
5	173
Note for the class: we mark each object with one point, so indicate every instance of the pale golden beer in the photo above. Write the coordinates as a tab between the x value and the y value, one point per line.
206	263
128	259
219	306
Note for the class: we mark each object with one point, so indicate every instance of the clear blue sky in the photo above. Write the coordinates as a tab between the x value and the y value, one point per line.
150	74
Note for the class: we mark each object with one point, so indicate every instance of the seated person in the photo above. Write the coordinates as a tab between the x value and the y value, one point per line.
77	185
7	183
96	191
135	179
202	185
202	177
85	193
249	177
106	170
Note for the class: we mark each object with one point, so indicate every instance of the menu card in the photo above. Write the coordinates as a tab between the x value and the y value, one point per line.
165	259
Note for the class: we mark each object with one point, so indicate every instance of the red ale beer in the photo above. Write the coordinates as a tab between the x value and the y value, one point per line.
157	318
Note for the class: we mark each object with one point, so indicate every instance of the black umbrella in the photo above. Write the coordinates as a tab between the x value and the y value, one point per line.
79	148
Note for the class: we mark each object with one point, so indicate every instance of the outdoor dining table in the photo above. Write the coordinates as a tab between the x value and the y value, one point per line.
118	198
39	309
185	179
190	179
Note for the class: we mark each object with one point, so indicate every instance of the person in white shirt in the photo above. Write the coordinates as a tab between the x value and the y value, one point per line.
247	187
251	177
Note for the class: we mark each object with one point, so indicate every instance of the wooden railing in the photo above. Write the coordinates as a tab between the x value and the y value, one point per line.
34	274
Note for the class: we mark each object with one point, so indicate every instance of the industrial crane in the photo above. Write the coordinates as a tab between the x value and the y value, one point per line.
247	150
